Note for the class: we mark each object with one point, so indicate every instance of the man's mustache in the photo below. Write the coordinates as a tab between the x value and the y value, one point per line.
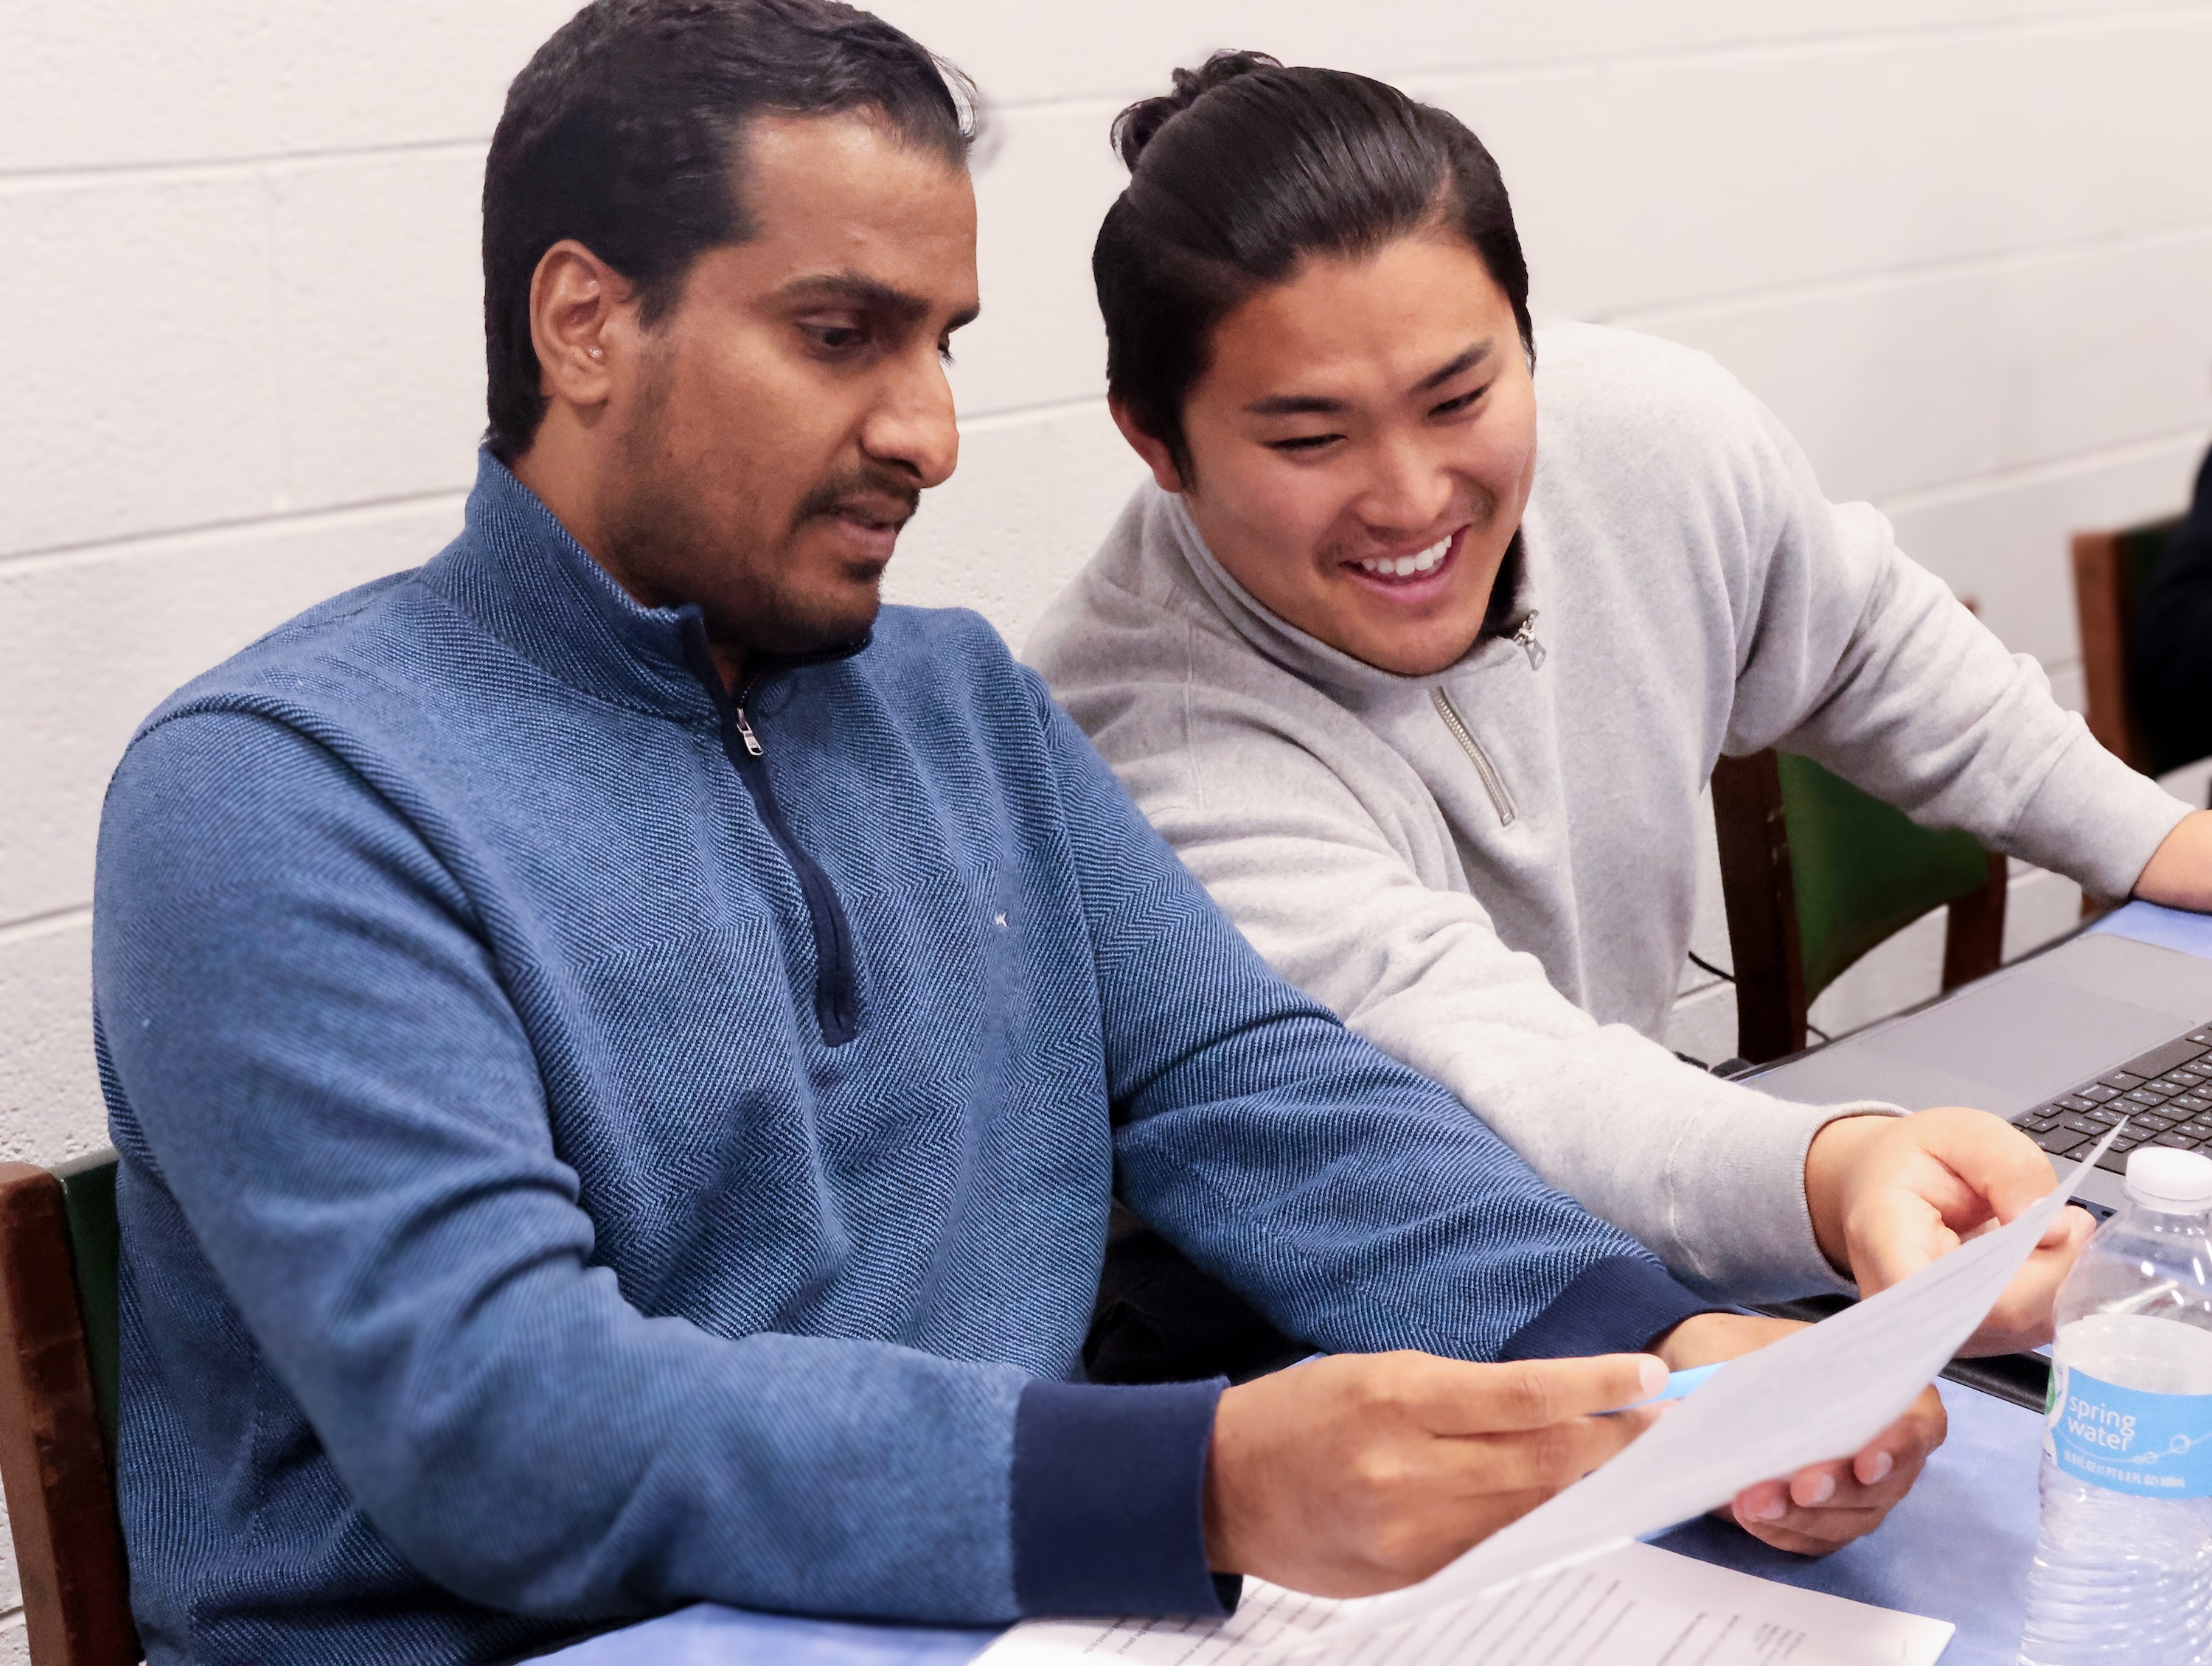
872	494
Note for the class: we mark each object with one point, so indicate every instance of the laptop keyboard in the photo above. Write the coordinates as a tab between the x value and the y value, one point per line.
2165	1094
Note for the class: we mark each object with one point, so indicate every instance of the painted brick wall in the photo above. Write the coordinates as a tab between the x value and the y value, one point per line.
1963	246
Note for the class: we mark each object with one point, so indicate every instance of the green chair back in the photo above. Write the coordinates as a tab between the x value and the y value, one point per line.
1862	869
95	1249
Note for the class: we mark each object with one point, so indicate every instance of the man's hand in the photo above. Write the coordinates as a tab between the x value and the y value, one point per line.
1364	1472
1827	1506
2179	872
1890	1194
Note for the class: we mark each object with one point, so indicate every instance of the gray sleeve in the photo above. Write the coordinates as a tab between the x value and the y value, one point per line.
1332	891
1854	655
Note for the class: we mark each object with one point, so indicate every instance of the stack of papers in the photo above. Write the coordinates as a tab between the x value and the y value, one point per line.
1636	1606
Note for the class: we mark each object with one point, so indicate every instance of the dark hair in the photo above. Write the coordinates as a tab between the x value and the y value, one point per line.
624	133
1243	168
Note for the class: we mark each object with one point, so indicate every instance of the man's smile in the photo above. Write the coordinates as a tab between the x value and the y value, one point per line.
1411	575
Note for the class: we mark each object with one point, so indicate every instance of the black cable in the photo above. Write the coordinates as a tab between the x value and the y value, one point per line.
1703	965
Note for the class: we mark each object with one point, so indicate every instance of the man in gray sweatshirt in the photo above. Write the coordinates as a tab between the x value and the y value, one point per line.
1421	657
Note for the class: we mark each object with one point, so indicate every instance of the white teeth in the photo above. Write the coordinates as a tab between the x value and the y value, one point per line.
1402	567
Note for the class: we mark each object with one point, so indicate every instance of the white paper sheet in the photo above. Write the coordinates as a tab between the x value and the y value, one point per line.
1821	1393
1639	1606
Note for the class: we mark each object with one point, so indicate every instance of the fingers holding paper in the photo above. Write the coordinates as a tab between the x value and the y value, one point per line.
2022	1316
1363	1473
1826	1505
1890	1195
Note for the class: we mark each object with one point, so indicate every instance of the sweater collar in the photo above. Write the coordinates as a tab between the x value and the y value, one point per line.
519	574
1305	656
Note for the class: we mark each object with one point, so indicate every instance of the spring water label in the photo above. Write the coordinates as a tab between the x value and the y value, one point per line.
2154	1445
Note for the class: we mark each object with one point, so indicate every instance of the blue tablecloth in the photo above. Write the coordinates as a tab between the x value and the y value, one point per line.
705	1635
1957	1549
2169	928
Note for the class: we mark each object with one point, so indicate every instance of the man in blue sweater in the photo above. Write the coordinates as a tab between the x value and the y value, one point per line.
622	1055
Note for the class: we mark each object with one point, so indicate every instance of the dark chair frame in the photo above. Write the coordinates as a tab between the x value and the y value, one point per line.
1759	891
54	1449
2108	569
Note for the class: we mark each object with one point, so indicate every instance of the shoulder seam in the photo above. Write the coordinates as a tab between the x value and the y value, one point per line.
265	708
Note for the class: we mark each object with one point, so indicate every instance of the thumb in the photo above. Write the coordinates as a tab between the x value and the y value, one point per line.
2068	1230
2021	1317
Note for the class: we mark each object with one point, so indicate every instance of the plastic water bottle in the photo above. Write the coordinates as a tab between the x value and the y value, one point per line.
2124	1566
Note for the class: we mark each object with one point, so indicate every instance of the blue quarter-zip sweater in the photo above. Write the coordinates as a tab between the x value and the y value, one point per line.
588	1146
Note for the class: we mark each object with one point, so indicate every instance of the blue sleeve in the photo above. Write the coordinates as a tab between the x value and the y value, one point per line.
1357	1203
326	1076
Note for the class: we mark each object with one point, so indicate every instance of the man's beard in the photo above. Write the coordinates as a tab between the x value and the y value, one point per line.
658	538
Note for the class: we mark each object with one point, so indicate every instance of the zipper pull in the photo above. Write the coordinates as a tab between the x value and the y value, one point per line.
1524	637
745	732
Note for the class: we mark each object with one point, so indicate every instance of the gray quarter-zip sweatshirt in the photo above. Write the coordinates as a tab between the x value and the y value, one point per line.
1490	871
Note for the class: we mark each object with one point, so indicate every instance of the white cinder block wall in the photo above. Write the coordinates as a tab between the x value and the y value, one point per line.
1963	246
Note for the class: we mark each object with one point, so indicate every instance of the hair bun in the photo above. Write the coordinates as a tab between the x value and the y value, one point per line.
1134	128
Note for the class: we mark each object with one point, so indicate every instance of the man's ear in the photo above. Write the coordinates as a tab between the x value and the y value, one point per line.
1155	452
579	324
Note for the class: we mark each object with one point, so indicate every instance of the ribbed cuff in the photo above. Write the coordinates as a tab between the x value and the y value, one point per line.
1109	1499
2095	820
1619	1305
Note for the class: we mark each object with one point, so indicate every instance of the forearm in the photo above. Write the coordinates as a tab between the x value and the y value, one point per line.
597	1473
524	1438
1903	692
612	1464
1706	1174
1710	1175
1363	1210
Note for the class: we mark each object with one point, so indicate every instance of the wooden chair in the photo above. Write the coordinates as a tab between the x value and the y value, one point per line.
58	1346
2111	571
1814	873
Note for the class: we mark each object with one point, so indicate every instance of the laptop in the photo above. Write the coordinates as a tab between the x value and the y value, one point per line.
2062	1043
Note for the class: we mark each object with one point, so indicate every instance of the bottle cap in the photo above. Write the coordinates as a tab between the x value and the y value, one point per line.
2172	1182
